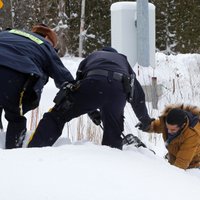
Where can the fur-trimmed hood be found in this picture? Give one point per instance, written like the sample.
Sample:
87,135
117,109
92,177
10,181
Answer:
183,150
188,108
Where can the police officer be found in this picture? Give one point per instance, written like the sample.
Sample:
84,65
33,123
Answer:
105,82
27,60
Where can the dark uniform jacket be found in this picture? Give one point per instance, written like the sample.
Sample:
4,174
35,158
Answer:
116,62
184,149
31,54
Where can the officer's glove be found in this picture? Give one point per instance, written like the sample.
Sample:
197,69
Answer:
64,91
145,125
95,116
63,99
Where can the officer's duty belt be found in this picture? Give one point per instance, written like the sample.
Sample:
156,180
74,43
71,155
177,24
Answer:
115,75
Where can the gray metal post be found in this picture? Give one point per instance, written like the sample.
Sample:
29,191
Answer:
143,47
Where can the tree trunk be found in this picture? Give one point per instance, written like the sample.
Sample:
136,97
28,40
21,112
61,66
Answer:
81,35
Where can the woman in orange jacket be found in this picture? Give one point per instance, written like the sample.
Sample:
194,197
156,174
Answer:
180,128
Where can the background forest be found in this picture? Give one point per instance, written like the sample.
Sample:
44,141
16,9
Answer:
177,23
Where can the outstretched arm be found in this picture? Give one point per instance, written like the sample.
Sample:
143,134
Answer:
138,103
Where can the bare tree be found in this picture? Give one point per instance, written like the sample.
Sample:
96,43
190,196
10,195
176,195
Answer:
82,26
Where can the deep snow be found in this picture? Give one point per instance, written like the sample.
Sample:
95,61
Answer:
83,170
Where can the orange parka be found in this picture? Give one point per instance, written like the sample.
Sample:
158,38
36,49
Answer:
183,150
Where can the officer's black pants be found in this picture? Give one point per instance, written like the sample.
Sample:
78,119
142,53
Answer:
11,84
94,92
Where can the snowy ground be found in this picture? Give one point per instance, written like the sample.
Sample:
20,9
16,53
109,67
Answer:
82,170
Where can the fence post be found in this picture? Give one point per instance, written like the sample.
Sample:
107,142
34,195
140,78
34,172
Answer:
154,93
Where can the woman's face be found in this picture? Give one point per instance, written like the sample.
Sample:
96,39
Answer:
172,129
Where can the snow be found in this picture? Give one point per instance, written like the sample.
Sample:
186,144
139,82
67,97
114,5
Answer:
84,169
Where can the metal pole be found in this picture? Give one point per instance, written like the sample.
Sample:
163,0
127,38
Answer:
143,47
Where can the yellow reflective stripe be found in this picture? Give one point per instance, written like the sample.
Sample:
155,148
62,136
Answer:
32,135
27,35
20,102
50,109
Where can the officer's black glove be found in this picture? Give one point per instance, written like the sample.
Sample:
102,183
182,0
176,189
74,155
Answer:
95,116
145,125
64,91
63,99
